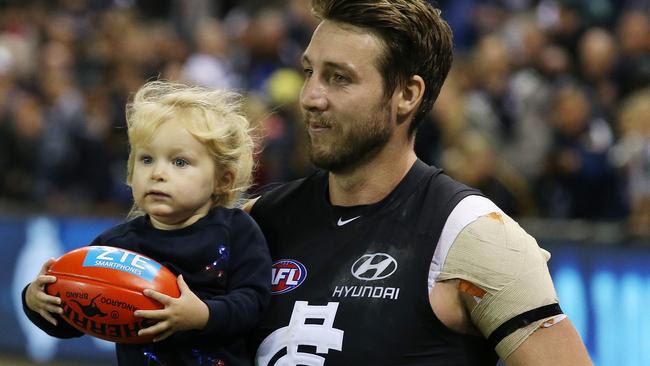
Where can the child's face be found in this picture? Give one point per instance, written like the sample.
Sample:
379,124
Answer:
173,177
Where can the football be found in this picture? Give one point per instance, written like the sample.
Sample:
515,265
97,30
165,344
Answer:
101,286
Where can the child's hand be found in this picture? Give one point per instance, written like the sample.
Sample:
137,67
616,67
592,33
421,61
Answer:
38,300
184,313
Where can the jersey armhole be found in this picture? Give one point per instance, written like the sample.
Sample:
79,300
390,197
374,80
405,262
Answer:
466,211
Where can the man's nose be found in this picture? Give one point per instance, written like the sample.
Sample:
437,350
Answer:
313,96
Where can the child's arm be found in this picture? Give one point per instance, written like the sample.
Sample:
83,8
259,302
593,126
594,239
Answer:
233,314
44,310
249,283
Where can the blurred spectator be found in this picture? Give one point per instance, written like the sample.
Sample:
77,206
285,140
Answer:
597,58
7,84
444,127
209,65
488,104
506,101
632,153
634,64
473,162
579,181
283,138
264,40
102,156
546,96
21,151
555,62
63,119
529,91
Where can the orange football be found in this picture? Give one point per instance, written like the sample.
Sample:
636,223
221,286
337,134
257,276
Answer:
100,287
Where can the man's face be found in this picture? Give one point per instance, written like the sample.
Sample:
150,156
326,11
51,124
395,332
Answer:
345,112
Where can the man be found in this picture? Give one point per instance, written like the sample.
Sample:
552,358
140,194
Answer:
380,259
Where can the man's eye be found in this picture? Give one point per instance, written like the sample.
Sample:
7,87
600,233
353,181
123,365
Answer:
308,71
180,162
338,78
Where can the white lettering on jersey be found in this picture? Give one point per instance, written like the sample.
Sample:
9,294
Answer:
323,336
290,274
377,292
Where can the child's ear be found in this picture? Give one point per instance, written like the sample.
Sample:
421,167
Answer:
223,182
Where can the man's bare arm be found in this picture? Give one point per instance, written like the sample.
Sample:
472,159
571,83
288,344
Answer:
504,278
558,345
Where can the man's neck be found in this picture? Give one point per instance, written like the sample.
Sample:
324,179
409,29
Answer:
372,181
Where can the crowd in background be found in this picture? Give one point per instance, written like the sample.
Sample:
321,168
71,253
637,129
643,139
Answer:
546,109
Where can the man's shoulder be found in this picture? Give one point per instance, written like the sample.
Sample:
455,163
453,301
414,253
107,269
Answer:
287,193
467,210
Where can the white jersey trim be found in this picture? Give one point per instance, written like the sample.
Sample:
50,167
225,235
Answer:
466,211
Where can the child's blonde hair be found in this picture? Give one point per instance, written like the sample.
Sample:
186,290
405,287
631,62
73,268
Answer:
212,116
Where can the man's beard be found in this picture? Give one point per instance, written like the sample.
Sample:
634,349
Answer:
359,145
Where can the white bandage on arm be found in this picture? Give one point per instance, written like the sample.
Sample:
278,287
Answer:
495,254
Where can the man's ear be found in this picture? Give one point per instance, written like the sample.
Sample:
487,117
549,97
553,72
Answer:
410,95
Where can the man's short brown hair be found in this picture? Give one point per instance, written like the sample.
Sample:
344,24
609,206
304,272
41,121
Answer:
417,41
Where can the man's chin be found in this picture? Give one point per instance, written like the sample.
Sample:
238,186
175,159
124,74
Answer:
330,164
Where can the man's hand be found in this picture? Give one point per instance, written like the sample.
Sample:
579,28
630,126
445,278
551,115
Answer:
183,313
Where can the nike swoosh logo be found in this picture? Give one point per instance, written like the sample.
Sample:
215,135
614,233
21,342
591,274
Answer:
342,222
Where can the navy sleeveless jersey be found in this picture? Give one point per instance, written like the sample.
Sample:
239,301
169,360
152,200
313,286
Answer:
350,283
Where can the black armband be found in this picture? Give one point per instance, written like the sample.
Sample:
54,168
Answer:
521,321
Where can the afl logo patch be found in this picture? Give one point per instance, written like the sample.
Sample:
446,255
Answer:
286,275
